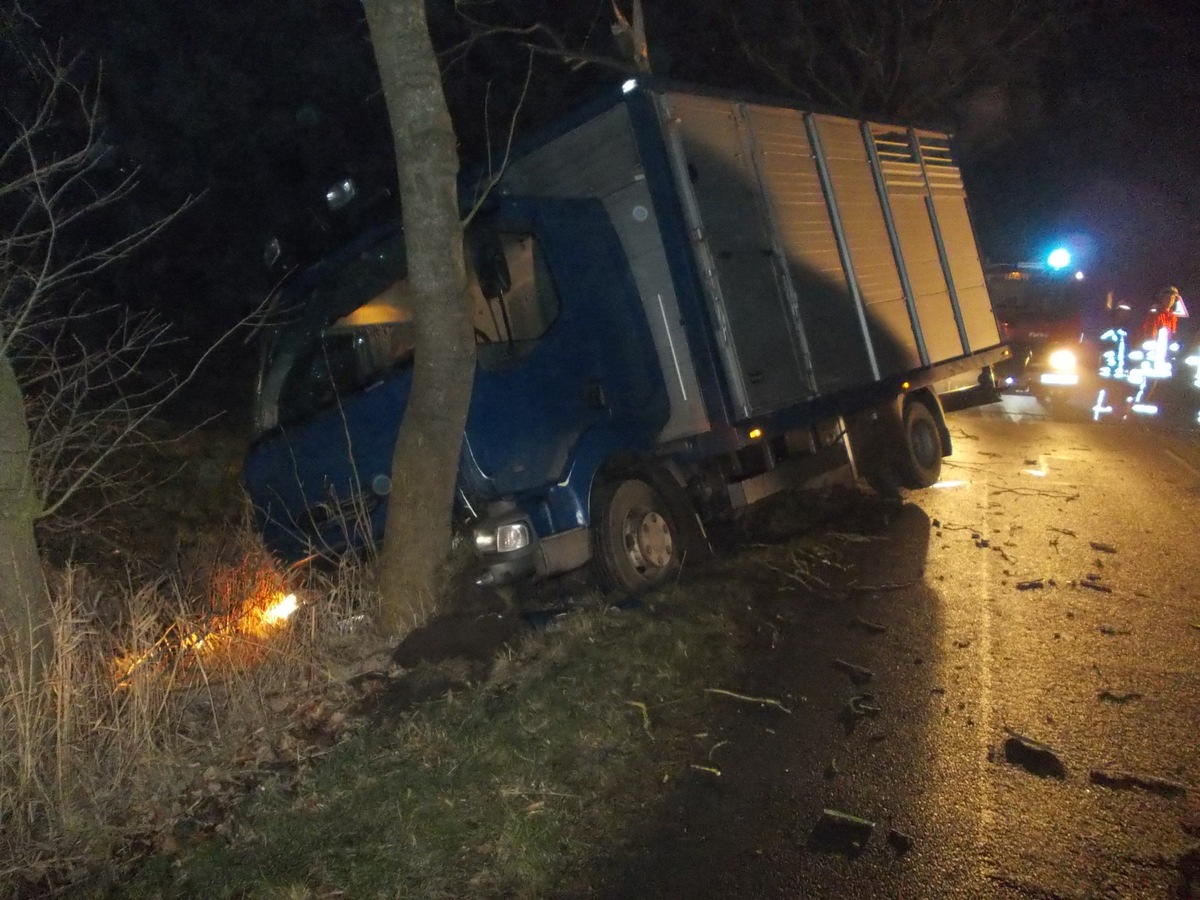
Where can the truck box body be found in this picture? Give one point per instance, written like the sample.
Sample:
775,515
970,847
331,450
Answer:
715,286
818,254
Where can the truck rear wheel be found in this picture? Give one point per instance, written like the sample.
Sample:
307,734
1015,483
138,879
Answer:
638,541
918,459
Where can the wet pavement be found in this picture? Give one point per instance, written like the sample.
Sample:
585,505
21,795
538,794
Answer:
1003,700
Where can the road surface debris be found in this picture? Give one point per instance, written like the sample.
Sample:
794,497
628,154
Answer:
1131,780
858,707
1033,756
746,698
871,626
1095,586
1101,547
859,675
1111,697
1033,584
645,711
841,832
900,841
863,705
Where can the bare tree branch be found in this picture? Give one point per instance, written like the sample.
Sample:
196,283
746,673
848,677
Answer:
81,366
495,173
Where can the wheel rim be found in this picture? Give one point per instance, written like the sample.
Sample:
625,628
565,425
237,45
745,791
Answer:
648,540
925,445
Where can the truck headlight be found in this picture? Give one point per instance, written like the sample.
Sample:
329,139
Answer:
503,538
513,536
1063,360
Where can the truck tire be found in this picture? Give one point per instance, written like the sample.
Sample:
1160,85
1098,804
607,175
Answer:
638,542
882,480
918,460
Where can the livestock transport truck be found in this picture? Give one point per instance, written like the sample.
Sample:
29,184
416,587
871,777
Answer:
683,303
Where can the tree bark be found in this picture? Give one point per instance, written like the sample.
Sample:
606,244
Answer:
425,462
25,608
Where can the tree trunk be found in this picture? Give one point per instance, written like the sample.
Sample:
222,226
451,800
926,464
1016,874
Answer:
425,463
24,603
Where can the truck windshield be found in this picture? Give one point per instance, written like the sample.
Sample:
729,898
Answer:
337,337
348,329
1024,296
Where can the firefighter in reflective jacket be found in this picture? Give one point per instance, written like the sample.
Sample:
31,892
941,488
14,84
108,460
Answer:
1166,312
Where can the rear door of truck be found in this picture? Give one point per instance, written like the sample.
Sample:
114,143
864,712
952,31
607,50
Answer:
833,253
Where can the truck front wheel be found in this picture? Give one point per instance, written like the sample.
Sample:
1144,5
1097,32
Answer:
918,460
638,543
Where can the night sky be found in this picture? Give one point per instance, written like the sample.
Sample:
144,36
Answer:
1084,130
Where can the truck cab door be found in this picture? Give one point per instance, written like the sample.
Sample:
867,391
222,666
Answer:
564,350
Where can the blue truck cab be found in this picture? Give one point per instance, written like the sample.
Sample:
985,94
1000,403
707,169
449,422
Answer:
683,303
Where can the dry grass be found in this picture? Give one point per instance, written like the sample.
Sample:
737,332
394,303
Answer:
159,699
509,787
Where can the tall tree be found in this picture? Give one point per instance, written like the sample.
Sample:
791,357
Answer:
72,390
24,602
425,463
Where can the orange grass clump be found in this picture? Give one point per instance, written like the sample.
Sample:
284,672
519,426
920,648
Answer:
249,602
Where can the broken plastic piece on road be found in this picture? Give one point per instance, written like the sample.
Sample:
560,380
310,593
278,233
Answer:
1095,586
900,841
1032,585
840,818
1033,756
841,832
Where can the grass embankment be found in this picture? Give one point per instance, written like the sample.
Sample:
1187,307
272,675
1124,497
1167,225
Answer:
507,788
187,747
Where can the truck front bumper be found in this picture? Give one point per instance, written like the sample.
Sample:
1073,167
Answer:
509,550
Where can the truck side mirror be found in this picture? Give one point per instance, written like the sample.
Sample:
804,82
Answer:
486,253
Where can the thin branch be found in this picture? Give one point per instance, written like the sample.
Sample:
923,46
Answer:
496,174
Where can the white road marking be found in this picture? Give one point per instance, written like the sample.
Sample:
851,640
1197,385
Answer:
1183,462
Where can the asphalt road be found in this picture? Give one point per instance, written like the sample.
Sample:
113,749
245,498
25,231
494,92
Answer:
1046,592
